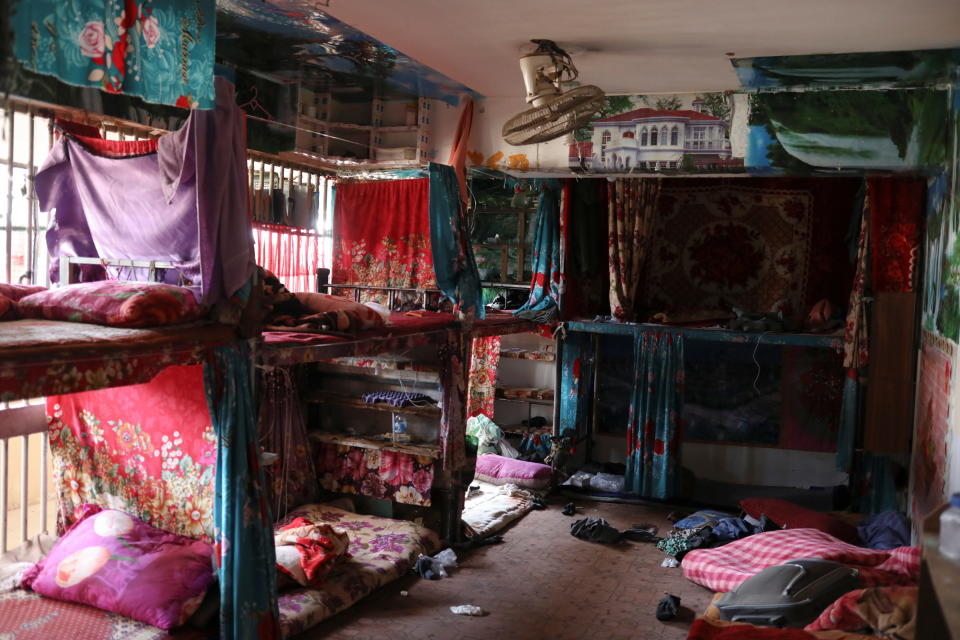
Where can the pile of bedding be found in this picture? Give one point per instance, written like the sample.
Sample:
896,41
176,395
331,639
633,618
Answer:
880,598
316,312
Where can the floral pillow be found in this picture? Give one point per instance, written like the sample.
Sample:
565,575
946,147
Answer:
116,562
114,303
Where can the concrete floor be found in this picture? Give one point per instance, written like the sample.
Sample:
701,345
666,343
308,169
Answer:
541,582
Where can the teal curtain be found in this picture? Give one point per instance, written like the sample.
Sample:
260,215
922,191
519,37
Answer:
244,534
654,422
162,52
877,484
453,261
542,305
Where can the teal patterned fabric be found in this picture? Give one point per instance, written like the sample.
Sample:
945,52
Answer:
654,426
244,532
160,51
541,306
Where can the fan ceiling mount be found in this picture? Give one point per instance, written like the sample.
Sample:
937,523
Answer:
554,112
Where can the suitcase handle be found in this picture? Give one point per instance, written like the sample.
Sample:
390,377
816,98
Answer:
768,621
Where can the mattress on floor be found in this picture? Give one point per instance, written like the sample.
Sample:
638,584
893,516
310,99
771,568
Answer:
26,615
381,550
494,506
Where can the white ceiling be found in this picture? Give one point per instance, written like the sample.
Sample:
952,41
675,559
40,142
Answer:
642,46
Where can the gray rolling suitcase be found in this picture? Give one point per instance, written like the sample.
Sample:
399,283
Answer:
792,594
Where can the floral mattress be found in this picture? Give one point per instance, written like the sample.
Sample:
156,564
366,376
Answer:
381,550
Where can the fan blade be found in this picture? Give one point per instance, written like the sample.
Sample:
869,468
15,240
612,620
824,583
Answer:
559,115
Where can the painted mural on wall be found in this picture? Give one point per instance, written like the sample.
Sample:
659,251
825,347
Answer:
679,133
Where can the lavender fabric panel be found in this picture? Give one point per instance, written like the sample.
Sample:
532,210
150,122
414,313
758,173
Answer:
210,151
187,204
116,207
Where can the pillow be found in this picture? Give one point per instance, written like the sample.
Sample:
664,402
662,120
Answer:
8,308
17,291
114,561
114,303
500,470
792,516
350,315
307,551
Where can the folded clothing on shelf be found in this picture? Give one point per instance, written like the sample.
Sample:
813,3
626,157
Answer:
397,398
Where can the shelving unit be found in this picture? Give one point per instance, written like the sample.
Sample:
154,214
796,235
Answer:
527,363
366,127
423,450
326,397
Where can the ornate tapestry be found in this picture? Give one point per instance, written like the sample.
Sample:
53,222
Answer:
162,52
149,450
382,235
731,246
482,382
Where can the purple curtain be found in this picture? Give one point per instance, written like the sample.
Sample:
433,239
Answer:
186,203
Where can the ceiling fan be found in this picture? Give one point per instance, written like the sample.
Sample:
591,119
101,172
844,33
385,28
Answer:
554,112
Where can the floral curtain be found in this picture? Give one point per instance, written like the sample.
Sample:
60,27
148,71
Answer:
897,216
654,427
543,304
161,52
453,261
244,533
631,205
292,477
482,382
400,477
148,449
382,234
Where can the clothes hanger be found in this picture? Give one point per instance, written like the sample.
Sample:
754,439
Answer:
254,104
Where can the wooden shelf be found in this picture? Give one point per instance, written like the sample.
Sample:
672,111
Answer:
524,354
326,397
398,128
540,401
349,125
384,444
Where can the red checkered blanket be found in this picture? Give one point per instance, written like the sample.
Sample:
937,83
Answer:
724,568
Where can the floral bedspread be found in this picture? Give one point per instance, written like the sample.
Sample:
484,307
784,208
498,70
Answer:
381,550
26,615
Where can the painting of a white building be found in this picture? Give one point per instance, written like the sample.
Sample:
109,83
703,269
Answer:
654,140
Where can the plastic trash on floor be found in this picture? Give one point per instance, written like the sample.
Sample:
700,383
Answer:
467,610
607,482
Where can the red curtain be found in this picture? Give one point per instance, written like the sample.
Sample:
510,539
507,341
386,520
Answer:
291,253
896,206
381,234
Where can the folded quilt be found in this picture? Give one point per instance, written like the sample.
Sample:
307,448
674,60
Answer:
724,568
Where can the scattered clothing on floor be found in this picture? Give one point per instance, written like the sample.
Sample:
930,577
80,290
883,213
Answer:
670,563
538,503
668,607
887,530
570,509
595,530
397,398
730,529
641,533
701,518
477,541
435,567
679,541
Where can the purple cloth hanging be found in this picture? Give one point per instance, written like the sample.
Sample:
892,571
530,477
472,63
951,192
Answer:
186,203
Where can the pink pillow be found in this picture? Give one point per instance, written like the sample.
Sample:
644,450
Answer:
792,516
501,470
17,291
114,561
359,316
114,303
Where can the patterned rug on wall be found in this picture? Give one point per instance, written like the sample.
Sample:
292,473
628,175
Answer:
722,246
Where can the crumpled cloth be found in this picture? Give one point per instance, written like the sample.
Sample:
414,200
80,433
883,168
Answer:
308,551
397,398
595,530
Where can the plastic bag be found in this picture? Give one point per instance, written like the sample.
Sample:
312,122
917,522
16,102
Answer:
581,480
607,482
507,450
467,610
447,559
487,433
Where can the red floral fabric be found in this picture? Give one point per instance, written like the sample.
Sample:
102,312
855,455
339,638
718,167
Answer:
632,206
482,382
149,450
393,476
896,207
855,343
113,303
382,235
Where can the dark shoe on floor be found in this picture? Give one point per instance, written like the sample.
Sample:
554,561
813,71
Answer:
570,509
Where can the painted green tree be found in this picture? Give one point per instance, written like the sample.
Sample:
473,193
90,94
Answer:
717,105
668,103
611,107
